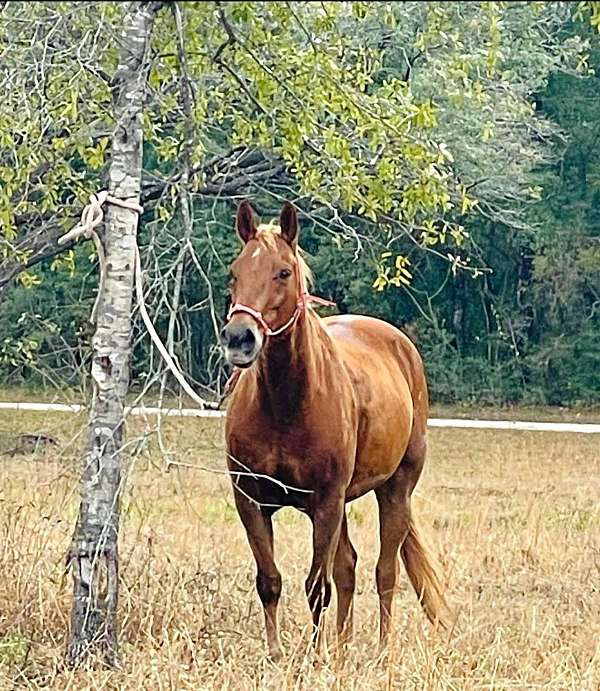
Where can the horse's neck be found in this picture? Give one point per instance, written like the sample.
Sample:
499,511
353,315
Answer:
290,368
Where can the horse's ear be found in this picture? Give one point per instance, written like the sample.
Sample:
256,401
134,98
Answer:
288,222
245,222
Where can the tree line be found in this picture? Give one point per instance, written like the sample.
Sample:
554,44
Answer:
444,156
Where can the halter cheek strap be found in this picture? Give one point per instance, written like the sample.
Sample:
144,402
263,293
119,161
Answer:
303,301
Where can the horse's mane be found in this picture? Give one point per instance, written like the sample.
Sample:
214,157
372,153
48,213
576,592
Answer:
267,233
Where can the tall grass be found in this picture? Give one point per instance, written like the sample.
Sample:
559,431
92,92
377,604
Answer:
514,517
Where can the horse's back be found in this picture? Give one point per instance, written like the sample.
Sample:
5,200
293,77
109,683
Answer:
388,374
359,336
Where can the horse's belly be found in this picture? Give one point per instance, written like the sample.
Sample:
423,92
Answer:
374,466
362,484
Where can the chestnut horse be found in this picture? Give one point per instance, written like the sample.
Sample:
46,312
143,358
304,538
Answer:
324,411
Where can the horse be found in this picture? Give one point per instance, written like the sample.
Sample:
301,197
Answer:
324,410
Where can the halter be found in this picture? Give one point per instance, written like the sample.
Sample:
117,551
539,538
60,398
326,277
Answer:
301,303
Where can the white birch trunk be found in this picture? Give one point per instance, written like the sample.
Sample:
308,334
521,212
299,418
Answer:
94,551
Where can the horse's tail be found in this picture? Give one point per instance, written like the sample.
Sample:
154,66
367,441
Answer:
424,578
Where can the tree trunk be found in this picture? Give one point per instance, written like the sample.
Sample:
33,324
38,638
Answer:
94,555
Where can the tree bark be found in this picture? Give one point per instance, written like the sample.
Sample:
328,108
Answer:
94,551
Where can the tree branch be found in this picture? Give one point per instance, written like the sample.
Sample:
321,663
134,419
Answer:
228,175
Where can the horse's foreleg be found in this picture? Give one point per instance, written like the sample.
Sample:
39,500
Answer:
259,531
327,522
344,568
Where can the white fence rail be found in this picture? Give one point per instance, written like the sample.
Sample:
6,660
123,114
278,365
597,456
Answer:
571,427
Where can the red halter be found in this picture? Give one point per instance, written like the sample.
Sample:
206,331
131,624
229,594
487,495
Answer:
303,300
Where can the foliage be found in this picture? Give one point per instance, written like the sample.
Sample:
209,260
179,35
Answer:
444,156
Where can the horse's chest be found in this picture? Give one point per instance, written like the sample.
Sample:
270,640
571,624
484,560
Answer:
266,455
296,456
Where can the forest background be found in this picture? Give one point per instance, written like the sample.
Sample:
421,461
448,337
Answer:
445,157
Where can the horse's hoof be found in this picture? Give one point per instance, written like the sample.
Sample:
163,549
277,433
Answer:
275,656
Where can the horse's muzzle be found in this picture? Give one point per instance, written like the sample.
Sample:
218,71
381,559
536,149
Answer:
241,340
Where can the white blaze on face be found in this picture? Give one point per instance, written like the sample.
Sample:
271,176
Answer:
256,252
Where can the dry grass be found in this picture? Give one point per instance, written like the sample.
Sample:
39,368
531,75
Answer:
515,517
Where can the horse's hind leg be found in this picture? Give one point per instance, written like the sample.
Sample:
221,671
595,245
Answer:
394,514
397,529
344,577
259,531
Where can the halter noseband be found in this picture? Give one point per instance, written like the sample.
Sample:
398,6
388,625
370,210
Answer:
303,300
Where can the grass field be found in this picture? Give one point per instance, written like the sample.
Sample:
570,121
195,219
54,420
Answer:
514,517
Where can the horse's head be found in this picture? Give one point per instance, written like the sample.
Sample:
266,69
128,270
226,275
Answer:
267,284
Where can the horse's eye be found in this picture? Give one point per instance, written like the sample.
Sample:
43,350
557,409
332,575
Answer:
232,280
284,273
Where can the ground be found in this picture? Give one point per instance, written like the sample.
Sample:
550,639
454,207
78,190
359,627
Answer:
513,516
